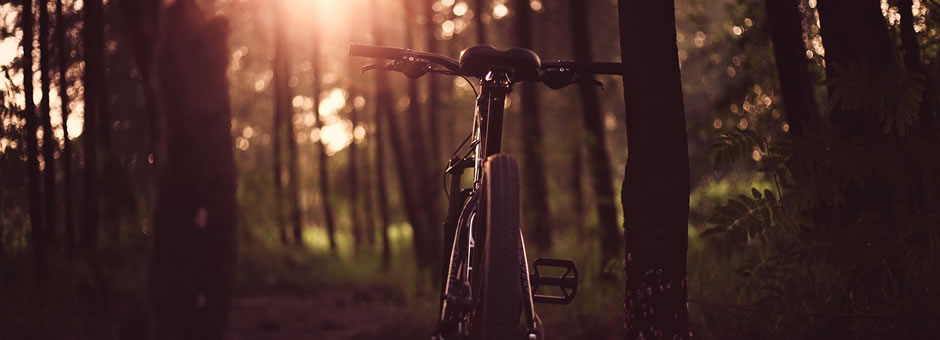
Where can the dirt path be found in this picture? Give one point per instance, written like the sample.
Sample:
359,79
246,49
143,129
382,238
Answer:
344,313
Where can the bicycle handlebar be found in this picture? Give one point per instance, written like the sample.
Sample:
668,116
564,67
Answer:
395,53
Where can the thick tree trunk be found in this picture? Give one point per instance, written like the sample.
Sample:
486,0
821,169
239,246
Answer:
854,33
194,250
909,37
425,228
595,141
911,49
656,184
536,213
324,166
49,145
94,71
284,110
383,107
64,51
32,148
786,34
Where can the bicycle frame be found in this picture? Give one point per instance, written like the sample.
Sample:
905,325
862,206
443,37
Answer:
462,224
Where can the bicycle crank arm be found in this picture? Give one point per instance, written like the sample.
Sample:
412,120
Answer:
567,282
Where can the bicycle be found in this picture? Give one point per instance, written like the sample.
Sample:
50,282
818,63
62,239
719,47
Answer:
487,287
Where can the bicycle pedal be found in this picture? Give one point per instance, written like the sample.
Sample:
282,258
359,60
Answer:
567,282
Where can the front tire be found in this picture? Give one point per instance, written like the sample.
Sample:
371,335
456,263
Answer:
502,296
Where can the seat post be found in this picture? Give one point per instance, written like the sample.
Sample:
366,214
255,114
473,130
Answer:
496,85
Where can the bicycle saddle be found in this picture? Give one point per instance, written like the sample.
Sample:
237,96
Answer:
522,64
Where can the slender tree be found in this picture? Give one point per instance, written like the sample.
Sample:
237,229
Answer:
32,148
655,191
49,145
277,128
480,8
193,262
786,34
360,236
94,70
64,49
595,142
383,107
284,109
324,158
424,230
535,186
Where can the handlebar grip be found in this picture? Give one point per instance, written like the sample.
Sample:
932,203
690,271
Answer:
381,52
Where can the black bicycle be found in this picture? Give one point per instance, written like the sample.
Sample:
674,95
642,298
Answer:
487,288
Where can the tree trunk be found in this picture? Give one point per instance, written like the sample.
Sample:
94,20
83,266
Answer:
383,107
854,33
911,50
796,85
94,70
49,144
64,51
480,8
284,110
32,148
324,166
656,183
360,237
194,250
424,229
276,131
433,161
595,141
536,214
909,37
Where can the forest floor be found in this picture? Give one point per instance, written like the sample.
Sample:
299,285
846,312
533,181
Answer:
378,312
297,295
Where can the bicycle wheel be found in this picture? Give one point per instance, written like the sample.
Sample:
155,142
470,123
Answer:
501,296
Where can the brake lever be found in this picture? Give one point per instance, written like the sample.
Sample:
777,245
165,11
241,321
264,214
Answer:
380,67
559,78
595,82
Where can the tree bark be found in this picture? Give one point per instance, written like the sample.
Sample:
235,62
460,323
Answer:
194,250
32,148
276,131
383,107
359,235
854,33
64,52
324,166
49,144
479,8
656,183
284,110
796,84
909,37
595,141
536,214
425,232
94,70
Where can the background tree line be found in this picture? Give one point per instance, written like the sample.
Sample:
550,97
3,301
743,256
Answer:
161,133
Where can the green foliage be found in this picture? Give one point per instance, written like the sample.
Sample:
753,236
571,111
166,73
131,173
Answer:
894,94
735,145
851,228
